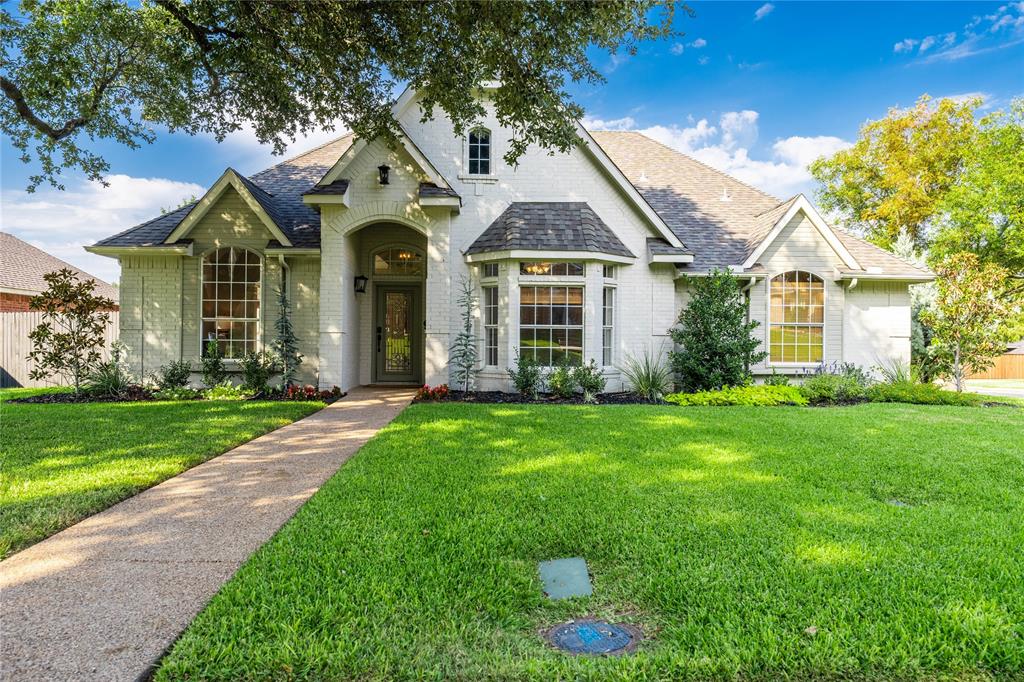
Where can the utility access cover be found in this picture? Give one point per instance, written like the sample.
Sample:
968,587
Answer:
564,578
593,637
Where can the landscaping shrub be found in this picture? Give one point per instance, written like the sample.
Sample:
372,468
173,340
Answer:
228,391
178,393
526,377
286,346
111,379
425,392
647,376
836,384
256,370
590,380
761,396
715,345
776,379
562,380
173,375
919,394
214,373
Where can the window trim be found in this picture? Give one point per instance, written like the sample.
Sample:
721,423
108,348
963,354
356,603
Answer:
549,284
550,278
261,298
768,320
487,326
608,325
490,174
396,278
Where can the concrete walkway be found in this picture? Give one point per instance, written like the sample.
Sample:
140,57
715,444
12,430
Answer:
104,599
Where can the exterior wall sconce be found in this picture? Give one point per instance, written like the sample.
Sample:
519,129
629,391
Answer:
383,170
361,281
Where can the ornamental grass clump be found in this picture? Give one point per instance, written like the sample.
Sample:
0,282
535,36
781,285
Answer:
647,376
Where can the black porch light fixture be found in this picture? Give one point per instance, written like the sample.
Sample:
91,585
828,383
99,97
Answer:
361,281
383,170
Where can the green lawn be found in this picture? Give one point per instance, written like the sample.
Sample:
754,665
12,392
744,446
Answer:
61,463
724,533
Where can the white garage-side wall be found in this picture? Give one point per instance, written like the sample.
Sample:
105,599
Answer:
876,323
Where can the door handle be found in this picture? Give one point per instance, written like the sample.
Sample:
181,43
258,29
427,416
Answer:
379,334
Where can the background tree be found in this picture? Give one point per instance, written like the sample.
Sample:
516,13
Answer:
464,352
69,341
75,73
286,345
968,310
714,342
896,176
931,359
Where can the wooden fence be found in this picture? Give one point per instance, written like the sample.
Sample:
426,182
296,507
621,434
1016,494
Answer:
1006,367
14,363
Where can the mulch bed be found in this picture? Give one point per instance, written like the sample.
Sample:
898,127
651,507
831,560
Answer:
500,397
139,394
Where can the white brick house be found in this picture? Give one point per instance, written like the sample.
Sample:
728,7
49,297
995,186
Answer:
581,255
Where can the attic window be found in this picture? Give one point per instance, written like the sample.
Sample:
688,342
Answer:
480,152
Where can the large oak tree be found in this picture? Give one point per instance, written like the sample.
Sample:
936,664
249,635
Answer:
75,72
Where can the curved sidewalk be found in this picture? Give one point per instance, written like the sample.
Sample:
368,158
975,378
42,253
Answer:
105,598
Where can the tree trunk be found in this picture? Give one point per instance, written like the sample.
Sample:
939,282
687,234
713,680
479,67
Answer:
958,370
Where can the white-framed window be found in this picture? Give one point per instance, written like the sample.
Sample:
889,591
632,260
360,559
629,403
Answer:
490,311
489,270
551,324
479,151
608,271
796,318
231,279
398,261
607,325
555,269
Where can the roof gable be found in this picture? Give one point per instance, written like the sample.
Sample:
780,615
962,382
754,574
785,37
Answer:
789,210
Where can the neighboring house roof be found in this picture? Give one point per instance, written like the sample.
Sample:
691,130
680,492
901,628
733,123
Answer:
549,226
1016,348
719,218
278,190
24,266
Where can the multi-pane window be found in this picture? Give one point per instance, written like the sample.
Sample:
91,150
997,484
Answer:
479,152
490,310
398,261
563,269
231,300
551,324
797,318
607,325
489,270
608,271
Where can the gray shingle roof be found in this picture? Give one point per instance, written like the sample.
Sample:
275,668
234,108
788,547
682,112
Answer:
22,267
719,218
549,226
660,247
429,189
337,187
278,190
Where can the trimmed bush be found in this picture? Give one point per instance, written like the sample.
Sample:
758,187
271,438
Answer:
527,377
227,391
760,396
836,384
173,375
562,381
921,394
590,380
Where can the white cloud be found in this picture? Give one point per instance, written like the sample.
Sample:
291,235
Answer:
1001,29
61,223
698,43
927,43
253,157
677,48
905,45
704,60
739,128
684,138
801,151
624,123
987,100
763,11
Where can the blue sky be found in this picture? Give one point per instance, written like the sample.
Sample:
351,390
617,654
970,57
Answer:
756,89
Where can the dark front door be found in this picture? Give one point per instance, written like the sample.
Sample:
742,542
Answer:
397,349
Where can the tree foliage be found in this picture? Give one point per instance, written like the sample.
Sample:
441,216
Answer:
76,72
968,310
714,342
69,341
895,178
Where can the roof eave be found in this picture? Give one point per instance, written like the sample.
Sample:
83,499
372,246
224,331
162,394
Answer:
183,249
537,254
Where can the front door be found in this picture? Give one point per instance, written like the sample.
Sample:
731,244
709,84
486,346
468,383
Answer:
397,335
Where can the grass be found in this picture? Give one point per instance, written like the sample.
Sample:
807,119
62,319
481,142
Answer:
62,462
724,533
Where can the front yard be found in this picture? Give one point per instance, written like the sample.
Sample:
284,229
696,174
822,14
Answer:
63,462
876,541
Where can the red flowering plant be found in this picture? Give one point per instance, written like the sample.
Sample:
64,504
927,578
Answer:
436,393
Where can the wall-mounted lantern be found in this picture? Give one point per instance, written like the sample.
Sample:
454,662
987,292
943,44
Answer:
361,281
384,170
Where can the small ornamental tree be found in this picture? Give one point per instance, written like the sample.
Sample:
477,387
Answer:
968,311
286,346
69,341
464,353
714,345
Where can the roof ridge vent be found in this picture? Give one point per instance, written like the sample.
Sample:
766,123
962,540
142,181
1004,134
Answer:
725,194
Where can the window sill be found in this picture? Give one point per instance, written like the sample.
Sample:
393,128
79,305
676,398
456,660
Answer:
484,179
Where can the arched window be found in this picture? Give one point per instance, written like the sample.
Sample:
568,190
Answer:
231,300
797,320
480,152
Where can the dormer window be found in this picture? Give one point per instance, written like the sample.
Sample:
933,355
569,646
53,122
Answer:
480,152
